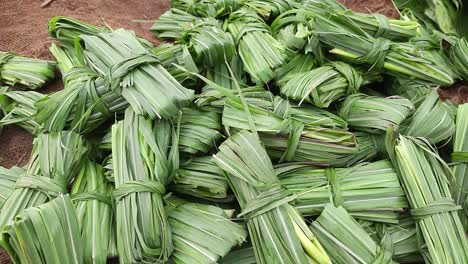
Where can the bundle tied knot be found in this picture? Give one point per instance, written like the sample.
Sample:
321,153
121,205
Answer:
139,186
443,205
48,186
273,196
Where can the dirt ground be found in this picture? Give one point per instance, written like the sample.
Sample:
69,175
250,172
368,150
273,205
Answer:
23,29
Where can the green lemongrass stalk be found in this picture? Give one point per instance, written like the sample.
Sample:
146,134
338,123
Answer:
207,8
460,168
351,42
376,25
200,177
401,239
48,233
199,130
91,196
20,109
432,120
8,178
414,91
374,114
85,103
66,29
177,54
240,256
277,231
261,54
425,178
55,158
345,240
323,85
16,70
144,160
201,233
130,69
367,191
459,56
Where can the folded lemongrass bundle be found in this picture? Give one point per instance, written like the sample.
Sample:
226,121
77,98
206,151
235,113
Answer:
200,177
432,120
401,239
85,103
261,54
459,56
66,29
16,70
277,231
199,130
367,191
293,30
19,109
376,25
412,90
54,161
201,233
351,42
128,67
425,178
207,8
374,114
48,233
460,166
171,24
91,197
269,9
370,147
345,240
8,178
240,256
299,63
170,55
144,160
323,85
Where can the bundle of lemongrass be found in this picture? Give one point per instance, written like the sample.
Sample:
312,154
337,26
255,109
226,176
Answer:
367,191
19,107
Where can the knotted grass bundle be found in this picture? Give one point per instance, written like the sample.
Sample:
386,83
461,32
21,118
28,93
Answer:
199,130
401,239
91,197
376,25
48,233
269,9
287,135
200,177
8,178
460,168
323,85
55,158
277,231
144,160
432,120
19,107
374,114
85,102
201,233
345,240
459,56
170,55
261,54
207,8
129,68
412,90
25,72
298,64
367,191
371,146
66,29
351,42
425,178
